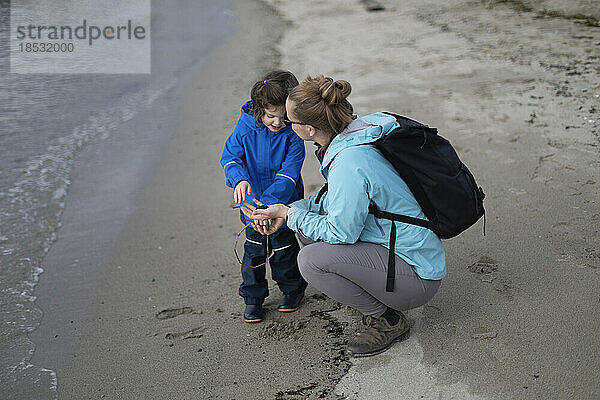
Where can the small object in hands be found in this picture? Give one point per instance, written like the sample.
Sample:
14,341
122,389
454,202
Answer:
262,207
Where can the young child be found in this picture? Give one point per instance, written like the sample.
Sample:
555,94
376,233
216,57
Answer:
262,159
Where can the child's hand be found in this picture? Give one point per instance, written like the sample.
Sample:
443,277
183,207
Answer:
240,191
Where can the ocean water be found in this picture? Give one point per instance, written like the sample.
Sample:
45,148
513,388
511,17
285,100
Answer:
46,121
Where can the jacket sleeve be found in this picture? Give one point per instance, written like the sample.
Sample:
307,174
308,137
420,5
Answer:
309,204
232,159
283,189
347,207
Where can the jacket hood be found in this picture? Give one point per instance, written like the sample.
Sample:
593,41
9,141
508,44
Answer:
247,118
361,131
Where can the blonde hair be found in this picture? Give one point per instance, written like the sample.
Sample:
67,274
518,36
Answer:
321,102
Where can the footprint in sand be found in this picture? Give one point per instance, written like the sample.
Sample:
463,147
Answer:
191,334
174,312
485,265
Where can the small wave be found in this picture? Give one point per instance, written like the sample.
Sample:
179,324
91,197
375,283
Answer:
32,381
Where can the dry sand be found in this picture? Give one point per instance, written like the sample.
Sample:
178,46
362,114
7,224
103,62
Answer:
517,316
515,86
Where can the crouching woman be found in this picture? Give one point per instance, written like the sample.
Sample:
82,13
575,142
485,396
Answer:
347,257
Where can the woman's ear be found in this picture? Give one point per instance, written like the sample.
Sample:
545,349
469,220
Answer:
311,130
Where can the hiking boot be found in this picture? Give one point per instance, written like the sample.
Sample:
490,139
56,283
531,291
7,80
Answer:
291,302
253,313
378,336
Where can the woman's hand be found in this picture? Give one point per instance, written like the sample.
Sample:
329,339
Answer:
260,214
240,191
265,220
271,227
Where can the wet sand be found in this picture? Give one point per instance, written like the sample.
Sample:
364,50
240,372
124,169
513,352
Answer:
515,90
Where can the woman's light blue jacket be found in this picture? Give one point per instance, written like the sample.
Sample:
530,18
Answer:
357,174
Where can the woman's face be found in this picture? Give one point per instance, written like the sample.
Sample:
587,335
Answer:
273,118
300,129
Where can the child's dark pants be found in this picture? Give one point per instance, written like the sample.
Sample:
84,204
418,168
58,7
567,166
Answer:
284,265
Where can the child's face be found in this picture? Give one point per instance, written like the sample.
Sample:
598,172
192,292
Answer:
273,118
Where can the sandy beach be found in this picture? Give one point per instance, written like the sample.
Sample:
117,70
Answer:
515,86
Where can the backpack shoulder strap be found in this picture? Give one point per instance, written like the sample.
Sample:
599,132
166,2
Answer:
391,267
321,193
398,217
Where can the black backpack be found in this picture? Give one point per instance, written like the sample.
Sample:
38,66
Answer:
442,185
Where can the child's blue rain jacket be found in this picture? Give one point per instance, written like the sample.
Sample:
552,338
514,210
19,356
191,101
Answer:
270,161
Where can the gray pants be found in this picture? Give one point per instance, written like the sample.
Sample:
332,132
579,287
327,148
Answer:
355,275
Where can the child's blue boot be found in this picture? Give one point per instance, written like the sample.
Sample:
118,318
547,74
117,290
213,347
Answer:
291,302
253,313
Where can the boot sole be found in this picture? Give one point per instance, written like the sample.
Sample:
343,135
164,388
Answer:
400,338
291,309
252,321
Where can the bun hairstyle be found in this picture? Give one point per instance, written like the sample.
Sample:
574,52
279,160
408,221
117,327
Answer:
271,91
321,102
334,92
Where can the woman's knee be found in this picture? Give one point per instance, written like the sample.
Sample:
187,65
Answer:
308,261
